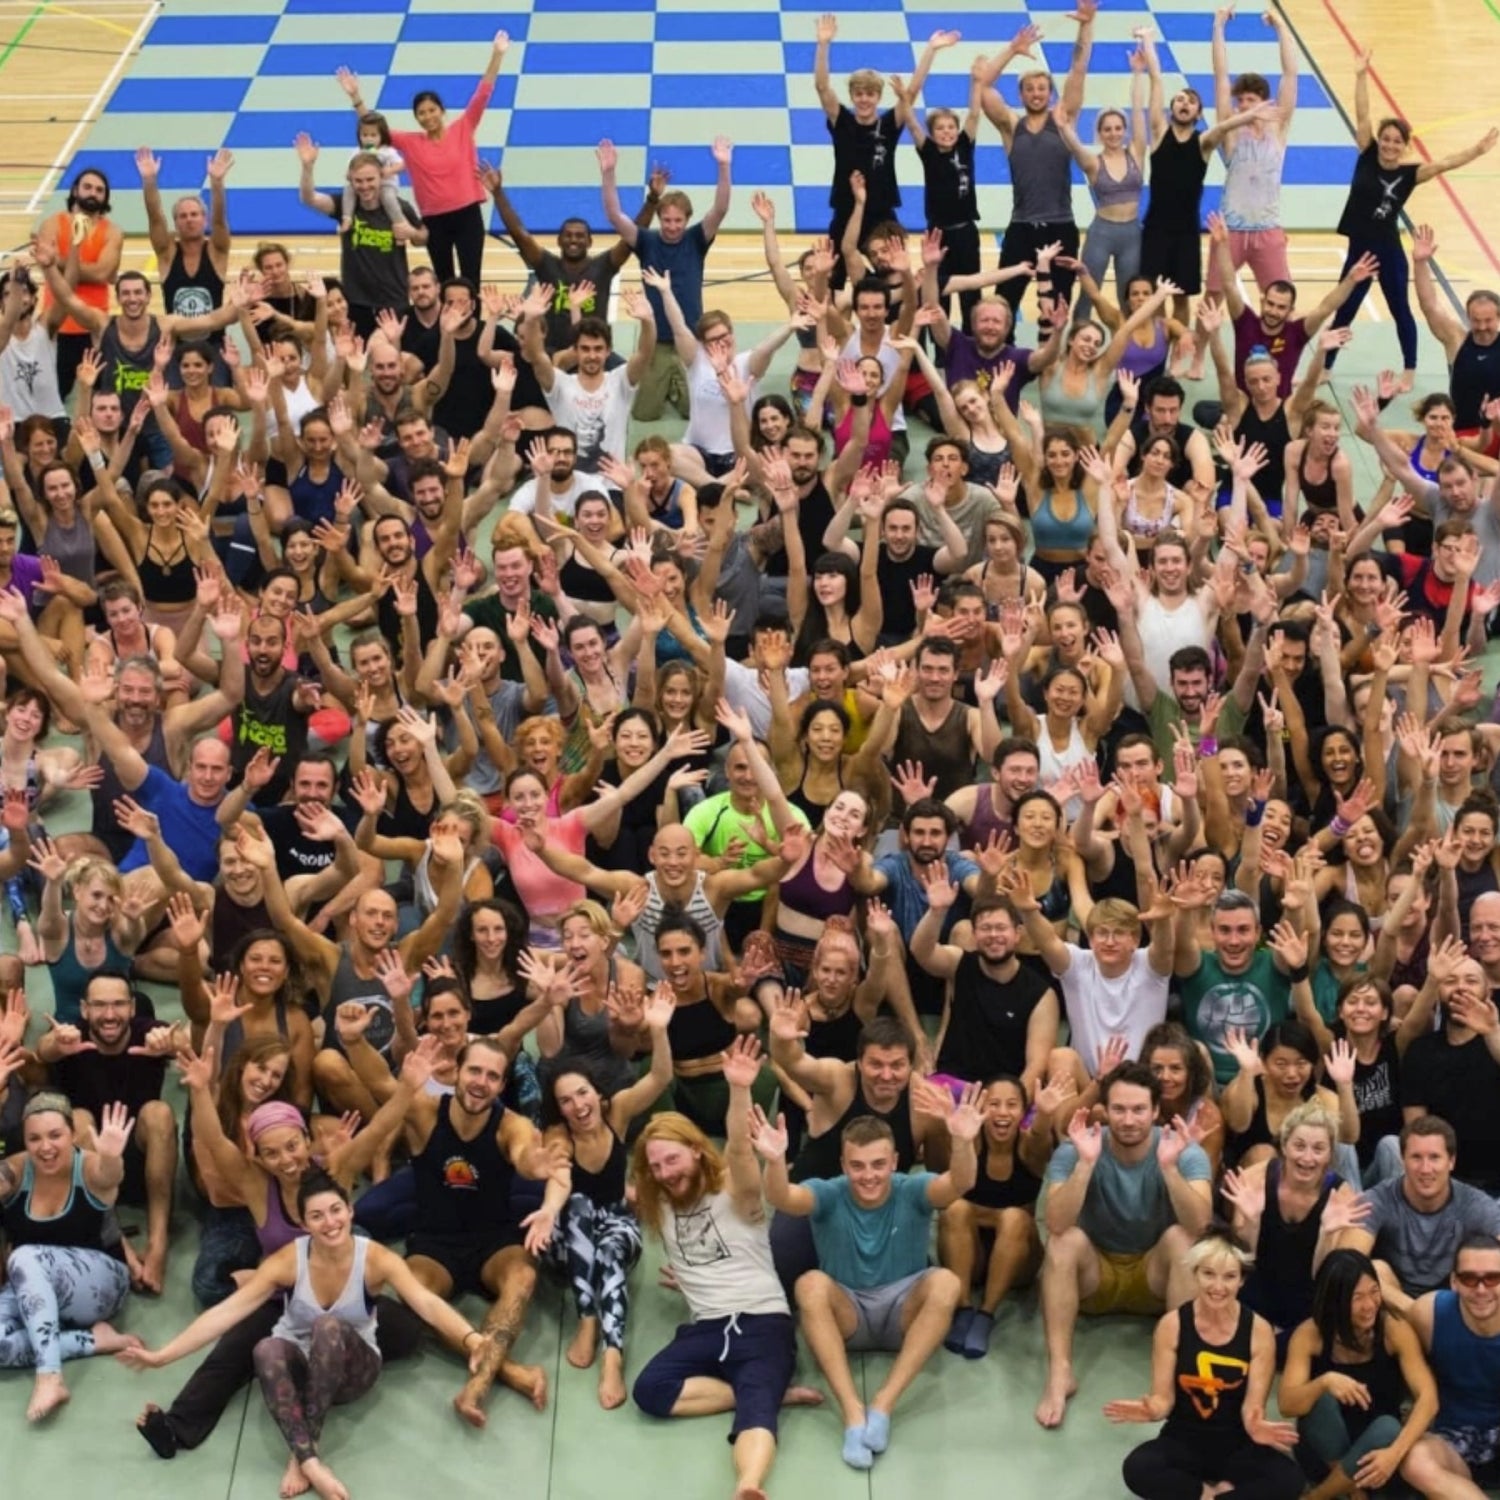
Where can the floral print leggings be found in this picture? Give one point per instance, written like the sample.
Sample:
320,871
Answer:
299,1388
52,1300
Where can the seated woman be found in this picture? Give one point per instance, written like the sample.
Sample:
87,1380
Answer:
1277,1074
1226,1443
322,1350
127,633
1350,1372
1287,1211
64,1279
487,945
597,1240
1186,1076
841,385
462,817
991,1231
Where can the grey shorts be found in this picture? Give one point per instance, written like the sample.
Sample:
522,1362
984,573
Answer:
878,1310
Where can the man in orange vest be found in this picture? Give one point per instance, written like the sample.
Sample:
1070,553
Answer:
87,245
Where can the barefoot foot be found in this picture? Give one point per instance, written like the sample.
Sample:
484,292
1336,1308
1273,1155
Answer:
47,1395
293,1481
1054,1403
612,1380
469,1404
109,1340
585,1344
154,1270
324,1480
802,1395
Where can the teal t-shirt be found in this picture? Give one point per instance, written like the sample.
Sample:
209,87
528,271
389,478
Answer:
1127,1208
1214,1002
1325,989
870,1247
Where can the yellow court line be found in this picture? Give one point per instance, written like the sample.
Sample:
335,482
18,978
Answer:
1471,114
84,15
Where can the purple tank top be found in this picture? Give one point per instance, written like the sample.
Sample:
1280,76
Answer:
1139,359
278,1231
986,821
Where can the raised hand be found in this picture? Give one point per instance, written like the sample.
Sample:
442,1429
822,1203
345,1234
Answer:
741,1062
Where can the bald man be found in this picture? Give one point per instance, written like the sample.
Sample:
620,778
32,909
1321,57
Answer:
1455,1073
676,881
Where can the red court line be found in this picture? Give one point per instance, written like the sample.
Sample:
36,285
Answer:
1422,151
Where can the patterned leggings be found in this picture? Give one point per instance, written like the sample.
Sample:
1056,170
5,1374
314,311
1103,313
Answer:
597,1247
52,1300
299,1388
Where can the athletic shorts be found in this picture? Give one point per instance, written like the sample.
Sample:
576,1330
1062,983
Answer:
878,1310
717,464
1177,255
1477,1446
753,1353
464,1257
1123,1288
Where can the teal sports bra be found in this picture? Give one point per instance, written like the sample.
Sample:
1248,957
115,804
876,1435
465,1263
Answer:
1051,535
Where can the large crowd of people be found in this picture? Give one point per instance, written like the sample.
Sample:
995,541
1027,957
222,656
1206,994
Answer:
1065,854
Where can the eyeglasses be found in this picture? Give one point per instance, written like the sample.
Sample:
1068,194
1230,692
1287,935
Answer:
1469,1280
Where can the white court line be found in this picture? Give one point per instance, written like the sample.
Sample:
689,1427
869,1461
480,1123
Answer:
66,154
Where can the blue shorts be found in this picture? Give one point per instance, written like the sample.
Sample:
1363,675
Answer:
754,1353
717,464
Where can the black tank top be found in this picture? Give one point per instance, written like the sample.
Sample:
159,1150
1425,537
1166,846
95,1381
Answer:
389,621
1209,1384
1178,169
1020,1190
463,1187
127,371
1275,432
697,1030
946,752
819,1156
1377,1097
1281,1283
193,294
80,1225
1475,376
987,1023
1181,472
1380,1374
111,788
837,1037
606,1187
1317,494
229,925
489,1016
583,583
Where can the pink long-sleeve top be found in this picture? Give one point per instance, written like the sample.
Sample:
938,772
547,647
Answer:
442,171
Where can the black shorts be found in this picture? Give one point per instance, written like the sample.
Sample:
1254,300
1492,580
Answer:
1175,254
464,1257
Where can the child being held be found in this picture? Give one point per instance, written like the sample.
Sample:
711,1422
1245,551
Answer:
375,140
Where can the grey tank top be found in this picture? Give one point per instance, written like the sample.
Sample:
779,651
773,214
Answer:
73,547
347,985
1041,175
351,1306
698,907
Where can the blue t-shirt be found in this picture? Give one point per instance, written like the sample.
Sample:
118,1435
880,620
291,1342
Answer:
905,894
684,263
1126,1208
189,830
870,1247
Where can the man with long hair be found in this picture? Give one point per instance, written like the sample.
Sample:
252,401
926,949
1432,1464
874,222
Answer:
738,1351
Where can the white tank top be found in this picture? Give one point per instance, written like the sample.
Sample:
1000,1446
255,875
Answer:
1163,633
722,1262
351,1306
1054,762
1252,181
28,375
299,402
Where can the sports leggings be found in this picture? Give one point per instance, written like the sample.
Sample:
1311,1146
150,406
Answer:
460,232
1108,240
597,1245
299,1388
1326,1430
1168,1468
1393,287
51,1302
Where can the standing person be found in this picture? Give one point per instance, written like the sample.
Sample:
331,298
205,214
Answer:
322,1352
739,1349
193,265
63,1278
372,257
1212,1364
678,251
86,243
572,265
1254,155
1460,1331
875,1289
442,161
1040,163
1124,1202
1371,220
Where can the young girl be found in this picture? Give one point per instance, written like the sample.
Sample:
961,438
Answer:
375,140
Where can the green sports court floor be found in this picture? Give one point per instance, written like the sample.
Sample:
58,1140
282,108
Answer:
964,1429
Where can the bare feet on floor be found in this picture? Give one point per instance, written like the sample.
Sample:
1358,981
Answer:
802,1395
294,1481
47,1395
585,1344
612,1380
1060,1386
109,1340
324,1480
469,1404
153,1270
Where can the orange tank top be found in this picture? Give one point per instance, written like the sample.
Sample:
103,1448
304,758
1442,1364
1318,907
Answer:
93,293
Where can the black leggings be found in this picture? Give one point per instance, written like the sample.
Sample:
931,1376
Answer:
1168,1468
1022,242
230,1365
461,231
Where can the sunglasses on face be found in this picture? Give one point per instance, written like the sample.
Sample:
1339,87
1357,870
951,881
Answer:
1469,1280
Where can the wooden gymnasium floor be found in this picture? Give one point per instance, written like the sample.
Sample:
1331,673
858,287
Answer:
58,65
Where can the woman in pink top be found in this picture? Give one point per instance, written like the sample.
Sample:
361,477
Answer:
545,895
442,161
